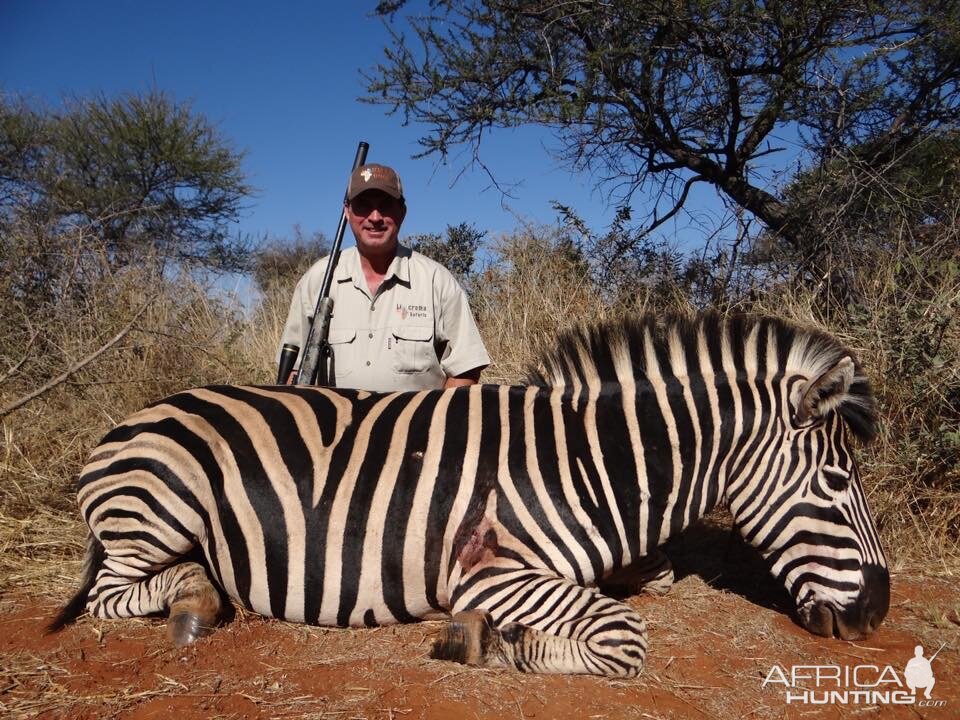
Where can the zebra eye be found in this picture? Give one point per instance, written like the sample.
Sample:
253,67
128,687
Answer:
837,480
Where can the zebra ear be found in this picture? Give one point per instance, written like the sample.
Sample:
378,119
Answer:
827,392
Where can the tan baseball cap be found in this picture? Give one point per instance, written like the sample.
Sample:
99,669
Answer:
374,177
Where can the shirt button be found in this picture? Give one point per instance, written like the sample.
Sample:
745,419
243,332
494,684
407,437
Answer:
370,335
368,362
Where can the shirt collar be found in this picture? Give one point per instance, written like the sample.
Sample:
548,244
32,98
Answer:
400,267
348,267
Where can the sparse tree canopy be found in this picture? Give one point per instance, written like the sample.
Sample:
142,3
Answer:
140,172
279,263
456,251
664,94
869,192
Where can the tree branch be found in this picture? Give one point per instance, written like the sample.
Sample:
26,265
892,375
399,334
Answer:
26,354
17,404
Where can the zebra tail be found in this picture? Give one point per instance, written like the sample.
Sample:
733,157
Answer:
78,603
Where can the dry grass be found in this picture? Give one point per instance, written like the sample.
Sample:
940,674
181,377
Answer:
34,685
40,553
184,336
523,298
534,289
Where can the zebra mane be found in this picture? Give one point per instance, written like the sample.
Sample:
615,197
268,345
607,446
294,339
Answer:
605,353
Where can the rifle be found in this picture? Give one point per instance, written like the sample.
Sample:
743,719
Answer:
934,656
317,355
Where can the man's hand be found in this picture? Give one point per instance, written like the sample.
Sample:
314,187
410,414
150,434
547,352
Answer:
471,377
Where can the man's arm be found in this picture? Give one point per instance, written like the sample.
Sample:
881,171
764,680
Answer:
457,328
471,377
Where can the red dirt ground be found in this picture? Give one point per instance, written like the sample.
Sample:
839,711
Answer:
713,641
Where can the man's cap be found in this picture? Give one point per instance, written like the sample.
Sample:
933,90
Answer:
374,177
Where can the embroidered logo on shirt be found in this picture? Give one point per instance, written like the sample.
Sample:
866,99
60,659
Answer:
414,311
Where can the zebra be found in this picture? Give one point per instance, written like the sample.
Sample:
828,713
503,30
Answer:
497,507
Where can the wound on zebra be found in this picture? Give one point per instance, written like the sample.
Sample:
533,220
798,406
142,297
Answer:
481,544
508,509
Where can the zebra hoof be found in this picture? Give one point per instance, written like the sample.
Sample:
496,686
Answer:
466,639
186,628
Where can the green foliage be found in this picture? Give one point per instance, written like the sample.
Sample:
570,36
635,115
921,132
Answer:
870,204
23,134
276,266
871,189
142,173
456,251
624,263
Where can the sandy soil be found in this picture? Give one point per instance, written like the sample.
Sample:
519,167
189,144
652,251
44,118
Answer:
714,639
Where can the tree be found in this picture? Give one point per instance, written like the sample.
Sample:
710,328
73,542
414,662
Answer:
873,210
141,173
456,251
865,191
22,137
278,264
664,94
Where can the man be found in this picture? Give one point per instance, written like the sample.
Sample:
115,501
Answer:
400,320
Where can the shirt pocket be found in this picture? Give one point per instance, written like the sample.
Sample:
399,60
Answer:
344,349
413,349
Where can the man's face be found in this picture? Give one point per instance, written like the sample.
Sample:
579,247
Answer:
375,218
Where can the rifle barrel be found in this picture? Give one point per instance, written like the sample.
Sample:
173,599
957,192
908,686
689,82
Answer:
313,366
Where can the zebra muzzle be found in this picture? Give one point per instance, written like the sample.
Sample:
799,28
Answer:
857,620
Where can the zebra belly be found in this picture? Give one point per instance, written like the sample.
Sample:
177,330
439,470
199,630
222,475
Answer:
368,610
345,594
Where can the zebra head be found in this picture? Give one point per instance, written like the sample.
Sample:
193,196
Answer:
803,506
756,411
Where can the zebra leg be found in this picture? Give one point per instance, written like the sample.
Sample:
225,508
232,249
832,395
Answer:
195,608
651,574
469,638
184,589
537,622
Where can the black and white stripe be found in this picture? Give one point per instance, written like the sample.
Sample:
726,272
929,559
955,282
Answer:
342,507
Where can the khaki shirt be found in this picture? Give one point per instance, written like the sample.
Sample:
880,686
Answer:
411,335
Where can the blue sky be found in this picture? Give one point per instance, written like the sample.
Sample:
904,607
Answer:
281,80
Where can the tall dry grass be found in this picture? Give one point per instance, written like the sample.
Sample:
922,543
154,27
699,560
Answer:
535,285
63,301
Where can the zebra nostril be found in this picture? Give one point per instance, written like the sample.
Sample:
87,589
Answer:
819,619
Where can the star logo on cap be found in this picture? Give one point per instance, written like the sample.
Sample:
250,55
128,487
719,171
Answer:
366,174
